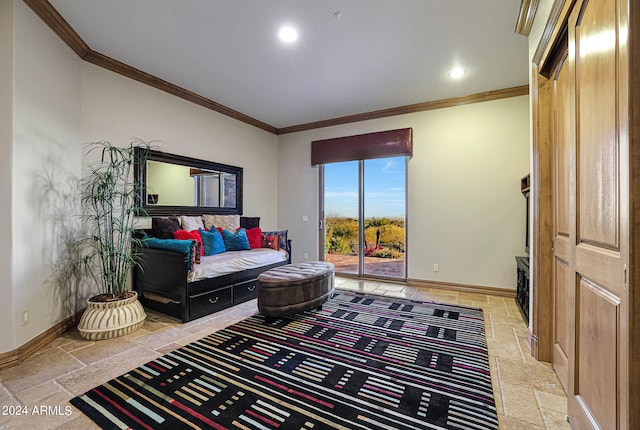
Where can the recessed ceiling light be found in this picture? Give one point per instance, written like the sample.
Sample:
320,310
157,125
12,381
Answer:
456,73
288,34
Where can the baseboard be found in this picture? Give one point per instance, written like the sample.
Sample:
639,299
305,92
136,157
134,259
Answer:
532,339
17,356
479,289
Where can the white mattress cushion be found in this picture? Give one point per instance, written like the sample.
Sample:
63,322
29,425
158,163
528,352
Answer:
234,261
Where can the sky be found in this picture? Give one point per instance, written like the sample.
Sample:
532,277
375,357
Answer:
384,183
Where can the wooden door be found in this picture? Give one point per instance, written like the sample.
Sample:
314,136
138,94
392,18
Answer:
597,372
597,262
563,149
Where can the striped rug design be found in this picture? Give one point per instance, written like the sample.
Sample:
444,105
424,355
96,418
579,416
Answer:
362,362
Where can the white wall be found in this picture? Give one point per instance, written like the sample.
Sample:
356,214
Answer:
465,209
53,102
116,109
45,143
7,336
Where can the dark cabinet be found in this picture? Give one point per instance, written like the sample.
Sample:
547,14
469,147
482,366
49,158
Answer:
522,291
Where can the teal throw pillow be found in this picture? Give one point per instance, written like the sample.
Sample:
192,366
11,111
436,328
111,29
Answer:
184,246
237,241
213,242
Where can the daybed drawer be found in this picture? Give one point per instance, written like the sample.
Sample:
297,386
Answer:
245,290
205,303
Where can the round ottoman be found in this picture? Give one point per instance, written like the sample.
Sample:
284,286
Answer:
294,288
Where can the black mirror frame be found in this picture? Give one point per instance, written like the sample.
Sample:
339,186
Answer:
140,174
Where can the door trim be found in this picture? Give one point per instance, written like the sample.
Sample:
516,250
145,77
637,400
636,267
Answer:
361,212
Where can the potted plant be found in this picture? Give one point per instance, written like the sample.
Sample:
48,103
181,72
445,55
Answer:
110,201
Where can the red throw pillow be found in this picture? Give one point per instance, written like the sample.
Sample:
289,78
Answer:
190,235
272,242
255,237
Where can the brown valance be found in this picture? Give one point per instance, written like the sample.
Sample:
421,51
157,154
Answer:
391,143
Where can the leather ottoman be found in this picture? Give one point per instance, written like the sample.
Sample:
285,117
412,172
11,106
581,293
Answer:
294,288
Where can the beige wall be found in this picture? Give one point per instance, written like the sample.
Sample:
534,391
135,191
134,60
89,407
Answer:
45,148
465,209
55,103
116,109
7,322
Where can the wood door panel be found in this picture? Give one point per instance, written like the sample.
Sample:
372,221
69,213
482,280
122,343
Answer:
563,142
597,348
595,371
598,152
562,247
562,327
601,265
563,153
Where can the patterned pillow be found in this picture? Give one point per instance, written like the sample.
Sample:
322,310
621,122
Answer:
197,251
190,223
284,243
271,241
227,222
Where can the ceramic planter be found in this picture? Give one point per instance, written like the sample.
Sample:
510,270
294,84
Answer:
106,320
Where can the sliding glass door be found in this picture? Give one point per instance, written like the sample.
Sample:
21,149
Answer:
341,215
384,217
364,216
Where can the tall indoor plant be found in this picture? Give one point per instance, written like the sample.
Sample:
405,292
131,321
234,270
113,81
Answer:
109,202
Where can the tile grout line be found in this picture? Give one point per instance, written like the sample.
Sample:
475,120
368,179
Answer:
10,394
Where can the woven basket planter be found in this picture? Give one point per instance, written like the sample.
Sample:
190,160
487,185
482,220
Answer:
106,320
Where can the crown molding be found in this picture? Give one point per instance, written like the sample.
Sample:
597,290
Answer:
526,16
418,107
123,69
61,27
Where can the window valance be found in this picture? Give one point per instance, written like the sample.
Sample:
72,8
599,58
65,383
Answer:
391,143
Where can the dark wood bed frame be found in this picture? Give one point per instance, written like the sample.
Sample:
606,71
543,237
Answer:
164,273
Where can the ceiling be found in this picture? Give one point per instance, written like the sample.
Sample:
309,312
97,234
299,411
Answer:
378,54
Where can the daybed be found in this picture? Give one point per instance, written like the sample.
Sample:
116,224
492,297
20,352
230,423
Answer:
171,282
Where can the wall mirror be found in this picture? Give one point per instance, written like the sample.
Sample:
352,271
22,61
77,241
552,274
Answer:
171,184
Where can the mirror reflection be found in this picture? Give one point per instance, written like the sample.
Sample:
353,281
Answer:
172,184
175,185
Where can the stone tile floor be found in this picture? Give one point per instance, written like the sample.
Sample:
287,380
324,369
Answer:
373,266
528,394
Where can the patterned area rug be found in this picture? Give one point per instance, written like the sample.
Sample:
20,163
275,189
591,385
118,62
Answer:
364,361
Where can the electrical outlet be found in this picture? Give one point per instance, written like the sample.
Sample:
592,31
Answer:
435,267
305,255
25,316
